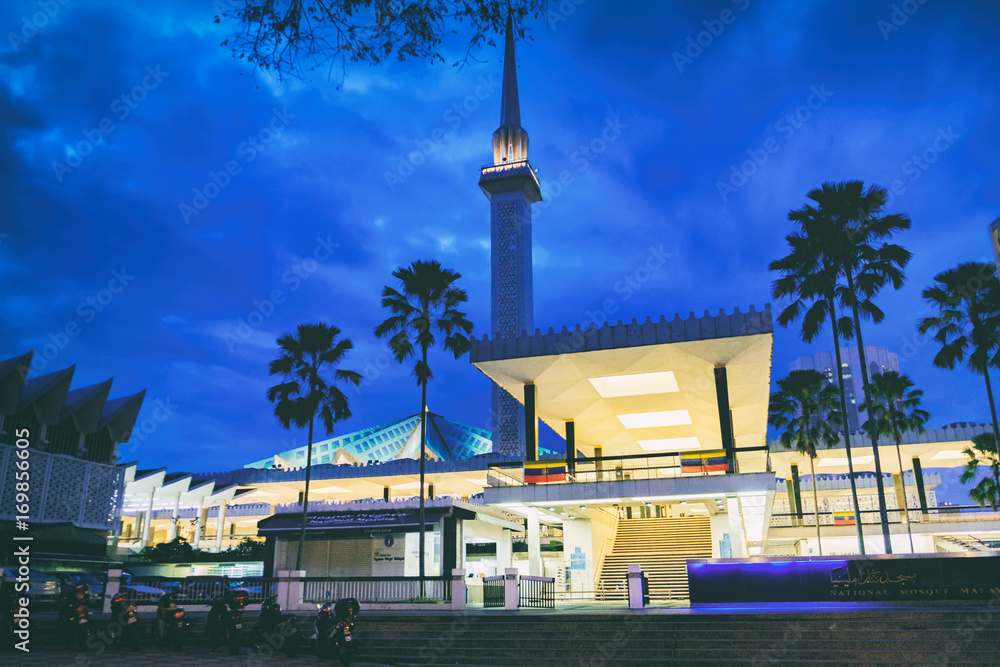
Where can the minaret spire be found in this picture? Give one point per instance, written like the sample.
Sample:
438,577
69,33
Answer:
510,111
510,141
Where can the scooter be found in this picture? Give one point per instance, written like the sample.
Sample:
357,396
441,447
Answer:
74,616
225,621
335,630
275,629
171,621
125,614
13,612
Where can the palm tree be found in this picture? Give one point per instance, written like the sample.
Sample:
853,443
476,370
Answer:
893,406
427,302
849,224
983,452
308,365
806,406
967,299
809,275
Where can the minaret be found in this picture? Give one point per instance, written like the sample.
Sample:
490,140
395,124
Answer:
512,187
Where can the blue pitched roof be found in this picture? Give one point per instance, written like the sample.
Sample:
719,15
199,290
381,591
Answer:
446,440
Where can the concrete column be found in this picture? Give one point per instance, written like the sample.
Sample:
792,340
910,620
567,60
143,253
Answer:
571,447
199,525
458,588
295,590
900,488
918,478
172,534
530,422
736,536
599,465
578,534
111,589
635,587
385,493
725,416
220,525
511,600
504,551
534,543
148,523
430,492
795,496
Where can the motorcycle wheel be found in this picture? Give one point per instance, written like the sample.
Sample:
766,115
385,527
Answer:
291,646
179,642
234,644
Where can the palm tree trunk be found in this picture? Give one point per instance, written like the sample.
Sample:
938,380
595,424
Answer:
812,471
906,505
847,435
305,496
879,484
423,455
996,429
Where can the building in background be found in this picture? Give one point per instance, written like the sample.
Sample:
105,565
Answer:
71,435
879,361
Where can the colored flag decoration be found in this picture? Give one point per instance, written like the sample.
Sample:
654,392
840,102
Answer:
543,472
843,518
708,461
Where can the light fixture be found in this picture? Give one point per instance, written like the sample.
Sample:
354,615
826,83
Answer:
670,444
639,384
655,419
948,455
331,489
839,461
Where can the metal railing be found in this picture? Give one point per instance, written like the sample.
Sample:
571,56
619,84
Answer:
197,590
946,514
374,589
632,467
493,592
536,592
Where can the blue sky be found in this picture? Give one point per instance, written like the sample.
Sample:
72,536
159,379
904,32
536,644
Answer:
178,211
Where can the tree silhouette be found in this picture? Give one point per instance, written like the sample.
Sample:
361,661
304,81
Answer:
308,364
893,406
805,408
426,302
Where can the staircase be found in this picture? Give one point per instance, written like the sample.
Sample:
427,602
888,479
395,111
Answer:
661,546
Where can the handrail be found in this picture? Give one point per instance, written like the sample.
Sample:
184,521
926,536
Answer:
604,548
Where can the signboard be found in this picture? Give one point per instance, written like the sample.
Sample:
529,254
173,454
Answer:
388,555
844,579
578,560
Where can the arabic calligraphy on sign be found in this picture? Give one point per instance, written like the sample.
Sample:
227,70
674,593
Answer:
867,575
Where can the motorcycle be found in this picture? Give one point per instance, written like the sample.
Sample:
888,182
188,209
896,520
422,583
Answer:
335,630
275,629
125,614
14,611
74,616
225,620
172,624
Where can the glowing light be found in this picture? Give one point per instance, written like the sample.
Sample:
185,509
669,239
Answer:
639,384
655,419
670,444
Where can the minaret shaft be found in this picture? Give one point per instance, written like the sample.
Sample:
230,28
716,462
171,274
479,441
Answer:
512,187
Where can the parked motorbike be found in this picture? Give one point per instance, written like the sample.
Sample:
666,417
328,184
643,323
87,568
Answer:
275,629
125,614
225,620
172,624
335,636
13,610
74,616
